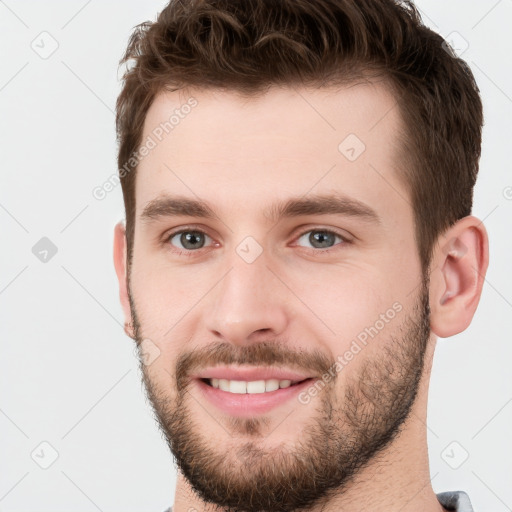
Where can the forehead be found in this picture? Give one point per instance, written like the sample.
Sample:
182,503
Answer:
237,153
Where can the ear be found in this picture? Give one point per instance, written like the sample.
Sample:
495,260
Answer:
120,264
459,265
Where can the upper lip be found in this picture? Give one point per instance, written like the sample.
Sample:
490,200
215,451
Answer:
250,374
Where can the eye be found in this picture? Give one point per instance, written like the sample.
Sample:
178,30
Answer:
189,240
320,238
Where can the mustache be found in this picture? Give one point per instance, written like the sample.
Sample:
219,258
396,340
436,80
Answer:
265,353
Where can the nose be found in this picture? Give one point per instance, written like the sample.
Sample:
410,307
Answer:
248,304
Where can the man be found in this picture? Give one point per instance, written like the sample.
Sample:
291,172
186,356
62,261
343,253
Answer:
297,179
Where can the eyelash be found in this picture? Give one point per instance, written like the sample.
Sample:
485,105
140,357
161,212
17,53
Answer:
190,253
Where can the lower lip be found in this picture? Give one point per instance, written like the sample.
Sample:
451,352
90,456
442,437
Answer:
249,404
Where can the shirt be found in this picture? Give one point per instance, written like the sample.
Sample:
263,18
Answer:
450,500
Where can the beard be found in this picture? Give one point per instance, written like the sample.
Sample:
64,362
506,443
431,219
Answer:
349,428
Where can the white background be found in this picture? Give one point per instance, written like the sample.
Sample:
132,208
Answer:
69,374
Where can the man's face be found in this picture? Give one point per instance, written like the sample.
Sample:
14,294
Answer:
272,285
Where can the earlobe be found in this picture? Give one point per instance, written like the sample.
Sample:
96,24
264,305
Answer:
120,264
128,329
462,258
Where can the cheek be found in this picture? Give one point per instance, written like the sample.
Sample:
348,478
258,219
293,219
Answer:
346,297
166,299
355,308
164,293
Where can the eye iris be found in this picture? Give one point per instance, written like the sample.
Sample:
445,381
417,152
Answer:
322,239
192,240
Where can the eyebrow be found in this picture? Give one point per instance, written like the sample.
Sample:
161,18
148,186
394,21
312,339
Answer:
179,206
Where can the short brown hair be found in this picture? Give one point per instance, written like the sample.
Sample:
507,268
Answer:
248,45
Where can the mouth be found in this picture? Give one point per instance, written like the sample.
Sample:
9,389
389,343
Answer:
247,398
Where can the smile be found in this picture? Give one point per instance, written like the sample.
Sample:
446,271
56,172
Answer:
247,393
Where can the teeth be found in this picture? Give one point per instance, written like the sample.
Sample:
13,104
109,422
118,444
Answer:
224,384
271,385
256,386
238,386
252,387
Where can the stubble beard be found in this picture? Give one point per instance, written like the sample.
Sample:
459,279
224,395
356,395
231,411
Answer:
344,435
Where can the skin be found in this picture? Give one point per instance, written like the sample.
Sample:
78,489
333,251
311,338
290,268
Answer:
240,156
